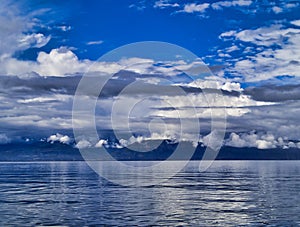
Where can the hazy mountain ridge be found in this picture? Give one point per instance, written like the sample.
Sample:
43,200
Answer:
44,151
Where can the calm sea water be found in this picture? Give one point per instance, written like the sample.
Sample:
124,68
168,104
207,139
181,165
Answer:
230,193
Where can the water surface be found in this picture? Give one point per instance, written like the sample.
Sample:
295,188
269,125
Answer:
231,193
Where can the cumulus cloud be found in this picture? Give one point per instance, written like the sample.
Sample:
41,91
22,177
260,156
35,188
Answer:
63,61
59,138
101,143
83,144
58,62
260,141
131,140
213,140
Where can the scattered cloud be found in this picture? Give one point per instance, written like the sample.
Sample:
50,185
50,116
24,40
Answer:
138,5
83,144
65,28
265,36
277,9
33,40
201,8
277,52
59,138
131,140
98,42
165,4
224,4
195,8
101,143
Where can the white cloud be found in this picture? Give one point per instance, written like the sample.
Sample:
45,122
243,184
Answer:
33,40
131,140
280,54
225,4
250,139
58,62
37,121
265,36
140,6
15,29
206,106
272,63
12,26
192,8
231,49
4,139
101,143
116,145
64,28
98,42
277,9
83,144
52,98
59,138
227,34
215,84
291,5
260,141
212,140
63,61
165,4
263,144
296,22
232,86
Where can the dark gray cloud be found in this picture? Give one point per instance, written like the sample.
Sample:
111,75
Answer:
38,85
273,93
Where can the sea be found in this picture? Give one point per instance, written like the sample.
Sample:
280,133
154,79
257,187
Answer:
228,193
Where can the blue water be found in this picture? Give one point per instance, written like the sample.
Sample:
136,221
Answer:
230,193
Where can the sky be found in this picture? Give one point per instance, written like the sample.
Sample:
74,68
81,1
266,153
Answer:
228,63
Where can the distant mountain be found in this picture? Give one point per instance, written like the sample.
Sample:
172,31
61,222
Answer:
44,151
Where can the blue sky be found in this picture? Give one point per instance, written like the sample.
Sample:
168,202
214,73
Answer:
133,21
252,49
94,28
